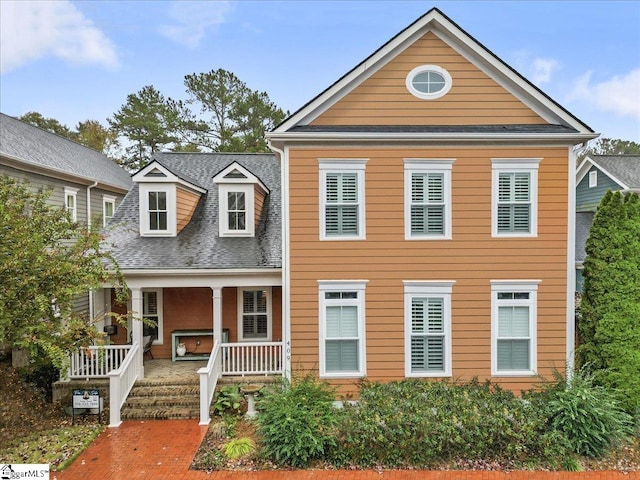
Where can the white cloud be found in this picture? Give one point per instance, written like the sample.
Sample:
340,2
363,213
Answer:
542,68
619,95
192,19
30,30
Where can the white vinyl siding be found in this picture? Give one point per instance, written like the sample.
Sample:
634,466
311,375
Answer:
254,314
342,349
342,199
427,198
514,349
427,328
515,193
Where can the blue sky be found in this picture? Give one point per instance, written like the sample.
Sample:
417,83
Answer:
78,60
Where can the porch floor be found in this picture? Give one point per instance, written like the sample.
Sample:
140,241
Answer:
165,369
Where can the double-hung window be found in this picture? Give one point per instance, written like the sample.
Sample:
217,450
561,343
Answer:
157,211
71,202
108,209
152,310
236,211
342,334
515,197
513,327
342,199
427,307
254,308
427,198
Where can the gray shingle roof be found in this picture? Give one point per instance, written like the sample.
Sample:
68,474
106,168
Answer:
199,245
524,128
34,146
624,168
583,225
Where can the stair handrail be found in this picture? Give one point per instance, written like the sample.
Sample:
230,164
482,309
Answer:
121,381
209,376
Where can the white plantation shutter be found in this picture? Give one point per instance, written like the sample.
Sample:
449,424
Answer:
427,203
150,311
514,202
341,204
427,334
342,332
255,320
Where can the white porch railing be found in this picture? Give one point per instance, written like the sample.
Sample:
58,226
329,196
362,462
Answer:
96,361
255,358
120,382
209,376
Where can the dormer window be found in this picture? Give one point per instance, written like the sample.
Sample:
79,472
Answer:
241,196
166,201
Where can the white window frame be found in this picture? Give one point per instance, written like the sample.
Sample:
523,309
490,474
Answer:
70,192
107,200
593,178
359,286
248,190
145,227
448,82
160,320
329,166
515,165
241,312
428,289
425,166
516,286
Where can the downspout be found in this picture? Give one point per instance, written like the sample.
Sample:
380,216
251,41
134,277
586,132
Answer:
574,153
286,275
91,305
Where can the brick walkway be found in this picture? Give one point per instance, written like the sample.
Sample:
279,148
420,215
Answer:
163,449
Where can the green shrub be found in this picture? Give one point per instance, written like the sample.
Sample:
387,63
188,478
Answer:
239,447
297,422
228,400
423,423
587,415
213,460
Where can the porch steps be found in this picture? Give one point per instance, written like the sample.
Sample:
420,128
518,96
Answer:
163,399
175,398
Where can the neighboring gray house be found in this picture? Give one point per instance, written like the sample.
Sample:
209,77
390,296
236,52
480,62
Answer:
82,180
596,175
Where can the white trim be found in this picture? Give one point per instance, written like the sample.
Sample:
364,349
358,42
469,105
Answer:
510,165
70,192
140,177
593,178
358,286
249,178
521,286
143,195
350,165
240,311
107,199
448,82
160,340
421,289
428,165
223,202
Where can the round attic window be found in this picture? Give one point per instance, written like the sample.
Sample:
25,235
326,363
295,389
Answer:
428,82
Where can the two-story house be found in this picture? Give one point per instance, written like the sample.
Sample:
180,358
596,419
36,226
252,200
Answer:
429,218
82,180
416,220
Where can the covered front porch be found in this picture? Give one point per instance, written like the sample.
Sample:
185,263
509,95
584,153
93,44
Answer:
223,326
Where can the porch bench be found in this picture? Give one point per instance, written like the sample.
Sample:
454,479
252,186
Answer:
175,339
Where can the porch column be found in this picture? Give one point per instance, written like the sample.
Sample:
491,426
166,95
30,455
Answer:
136,328
217,313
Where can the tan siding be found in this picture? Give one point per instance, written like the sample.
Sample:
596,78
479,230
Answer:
259,196
186,203
474,99
472,258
